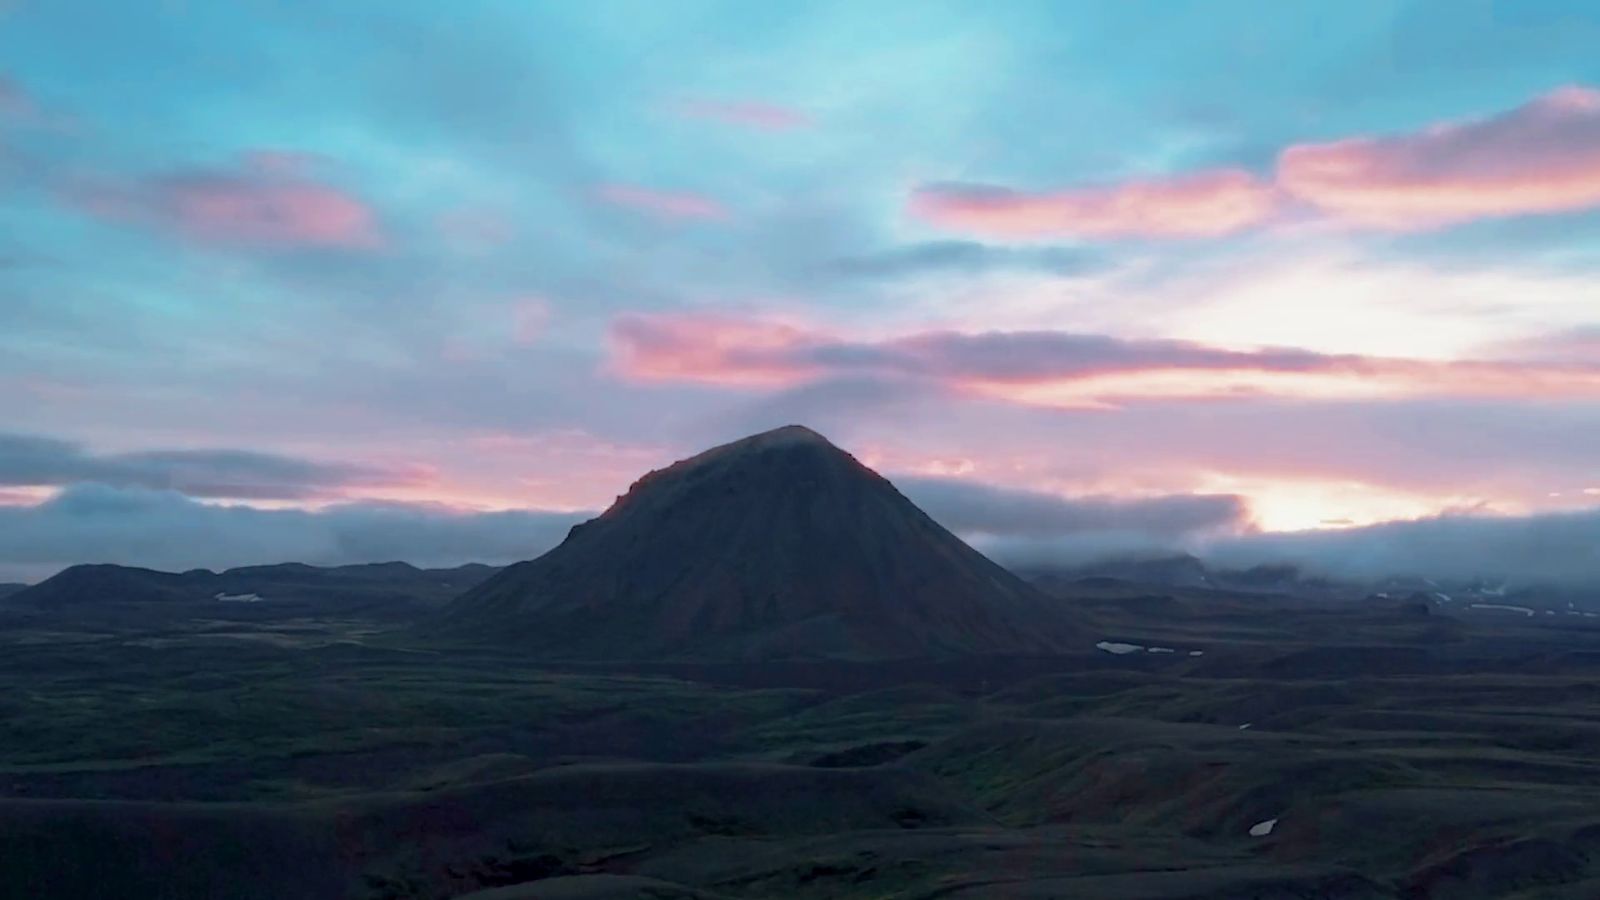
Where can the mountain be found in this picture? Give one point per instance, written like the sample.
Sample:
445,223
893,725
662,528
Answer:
1169,571
8,588
90,584
285,586
778,545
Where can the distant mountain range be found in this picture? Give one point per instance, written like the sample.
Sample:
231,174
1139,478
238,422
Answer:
779,545
1186,572
398,585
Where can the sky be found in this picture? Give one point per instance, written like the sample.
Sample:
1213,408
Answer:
337,282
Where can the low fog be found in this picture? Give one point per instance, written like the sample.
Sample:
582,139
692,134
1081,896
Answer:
164,529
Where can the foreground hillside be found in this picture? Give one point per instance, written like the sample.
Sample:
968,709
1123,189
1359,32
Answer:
1398,752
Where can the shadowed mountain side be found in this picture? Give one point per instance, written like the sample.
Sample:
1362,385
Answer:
778,545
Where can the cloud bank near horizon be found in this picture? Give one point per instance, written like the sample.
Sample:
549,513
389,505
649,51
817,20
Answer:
165,529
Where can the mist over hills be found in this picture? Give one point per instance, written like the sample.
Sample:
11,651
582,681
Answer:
1021,529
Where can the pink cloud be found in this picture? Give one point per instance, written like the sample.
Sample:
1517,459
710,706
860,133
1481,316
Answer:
746,114
1579,345
711,349
1204,204
247,207
664,204
1047,368
1542,157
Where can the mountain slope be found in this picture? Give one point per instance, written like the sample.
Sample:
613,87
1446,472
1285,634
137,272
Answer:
777,545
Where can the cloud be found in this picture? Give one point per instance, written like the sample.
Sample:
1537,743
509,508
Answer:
1050,368
973,508
677,205
750,114
1552,548
166,530
33,461
945,257
1576,345
709,348
1204,204
1542,157
1026,528
265,202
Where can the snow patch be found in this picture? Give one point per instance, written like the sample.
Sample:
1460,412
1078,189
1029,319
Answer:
1262,829
1518,609
1117,648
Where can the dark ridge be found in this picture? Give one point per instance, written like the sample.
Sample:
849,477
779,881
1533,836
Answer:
101,585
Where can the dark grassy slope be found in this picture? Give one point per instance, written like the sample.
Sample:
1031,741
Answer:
778,545
322,760
558,821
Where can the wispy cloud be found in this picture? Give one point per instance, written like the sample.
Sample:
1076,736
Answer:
35,461
266,201
1541,157
752,114
1058,368
678,205
1204,204
960,257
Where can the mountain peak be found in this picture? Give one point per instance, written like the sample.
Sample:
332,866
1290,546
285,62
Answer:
785,436
776,545
785,433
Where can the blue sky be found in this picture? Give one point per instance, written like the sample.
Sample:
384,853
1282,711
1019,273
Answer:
1334,262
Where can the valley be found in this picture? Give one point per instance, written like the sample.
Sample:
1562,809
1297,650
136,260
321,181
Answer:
1402,753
